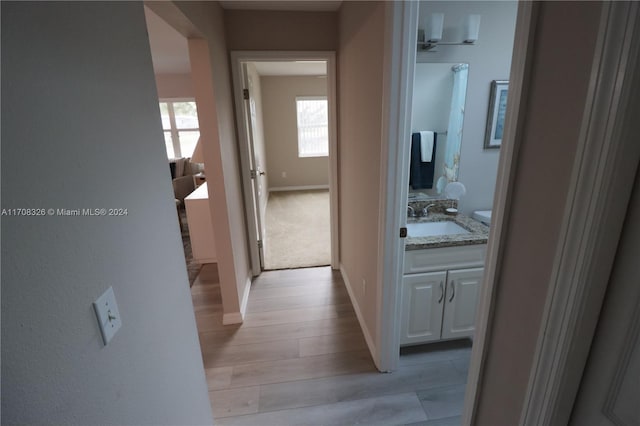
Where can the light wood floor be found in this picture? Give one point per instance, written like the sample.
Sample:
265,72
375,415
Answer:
300,358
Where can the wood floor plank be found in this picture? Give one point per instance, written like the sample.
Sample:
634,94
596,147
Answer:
218,377
370,384
442,402
206,299
234,402
322,272
212,321
295,302
248,335
462,365
284,316
387,410
301,368
449,421
309,291
333,343
235,355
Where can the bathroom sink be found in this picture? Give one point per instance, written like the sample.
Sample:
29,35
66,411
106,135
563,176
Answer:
430,229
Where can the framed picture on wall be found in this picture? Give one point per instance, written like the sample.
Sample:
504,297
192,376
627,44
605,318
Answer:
496,113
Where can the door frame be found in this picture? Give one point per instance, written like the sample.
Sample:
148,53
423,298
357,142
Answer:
594,211
607,159
237,58
397,126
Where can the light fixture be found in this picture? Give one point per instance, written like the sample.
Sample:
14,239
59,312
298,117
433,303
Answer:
431,36
471,29
436,21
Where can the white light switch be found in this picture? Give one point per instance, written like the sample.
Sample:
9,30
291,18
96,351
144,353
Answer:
108,315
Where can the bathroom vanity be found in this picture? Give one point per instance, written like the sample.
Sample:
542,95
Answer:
443,269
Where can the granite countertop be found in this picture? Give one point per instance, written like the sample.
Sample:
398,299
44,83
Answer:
479,233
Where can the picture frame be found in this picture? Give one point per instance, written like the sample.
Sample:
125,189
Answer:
496,114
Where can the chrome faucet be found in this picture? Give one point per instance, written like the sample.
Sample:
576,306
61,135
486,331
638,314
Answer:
411,212
425,211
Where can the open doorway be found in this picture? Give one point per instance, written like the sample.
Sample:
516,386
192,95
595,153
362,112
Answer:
289,110
179,116
441,262
287,128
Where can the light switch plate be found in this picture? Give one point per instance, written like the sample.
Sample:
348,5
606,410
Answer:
108,315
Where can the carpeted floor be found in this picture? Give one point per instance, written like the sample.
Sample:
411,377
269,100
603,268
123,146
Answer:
193,267
298,233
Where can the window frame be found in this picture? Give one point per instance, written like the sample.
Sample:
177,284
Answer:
173,130
312,98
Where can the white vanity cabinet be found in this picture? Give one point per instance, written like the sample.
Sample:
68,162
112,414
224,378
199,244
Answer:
422,301
461,301
440,304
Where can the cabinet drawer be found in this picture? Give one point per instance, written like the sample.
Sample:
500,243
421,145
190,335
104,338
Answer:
438,259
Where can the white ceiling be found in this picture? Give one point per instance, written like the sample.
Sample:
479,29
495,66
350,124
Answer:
169,50
282,68
304,6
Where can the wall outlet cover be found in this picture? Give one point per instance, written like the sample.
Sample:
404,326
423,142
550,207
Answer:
107,314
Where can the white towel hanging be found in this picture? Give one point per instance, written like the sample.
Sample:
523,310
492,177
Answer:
426,146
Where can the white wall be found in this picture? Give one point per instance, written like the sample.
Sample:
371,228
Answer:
281,132
81,119
489,59
360,82
174,86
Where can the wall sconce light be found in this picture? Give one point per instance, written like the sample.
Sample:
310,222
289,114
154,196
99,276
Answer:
430,38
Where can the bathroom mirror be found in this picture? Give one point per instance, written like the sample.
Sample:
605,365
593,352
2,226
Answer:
439,94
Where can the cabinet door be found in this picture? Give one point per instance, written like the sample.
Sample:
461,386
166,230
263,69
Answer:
461,300
422,302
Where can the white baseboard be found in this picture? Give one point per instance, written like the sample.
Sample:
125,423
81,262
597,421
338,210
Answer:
298,188
232,318
238,317
365,330
245,296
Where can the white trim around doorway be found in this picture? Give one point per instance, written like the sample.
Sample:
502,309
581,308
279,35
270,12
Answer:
237,58
607,158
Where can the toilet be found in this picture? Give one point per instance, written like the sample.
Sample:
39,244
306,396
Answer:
483,216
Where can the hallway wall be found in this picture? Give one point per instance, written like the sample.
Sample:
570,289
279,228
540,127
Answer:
79,106
360,84
280,30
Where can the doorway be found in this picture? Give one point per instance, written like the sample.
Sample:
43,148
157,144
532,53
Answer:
179,116
287,130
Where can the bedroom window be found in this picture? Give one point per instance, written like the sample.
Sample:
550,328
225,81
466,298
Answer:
313,126
180,125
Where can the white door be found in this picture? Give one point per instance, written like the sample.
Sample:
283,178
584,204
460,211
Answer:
609,393
256,211
422,301
461,300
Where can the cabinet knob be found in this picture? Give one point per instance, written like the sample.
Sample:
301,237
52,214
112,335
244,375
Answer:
453,291
441,293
